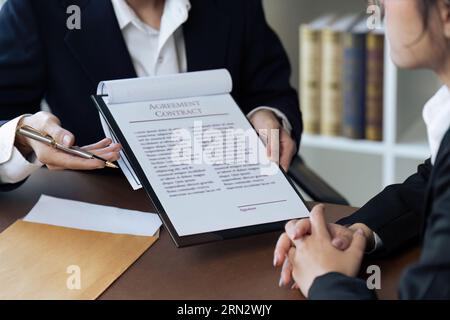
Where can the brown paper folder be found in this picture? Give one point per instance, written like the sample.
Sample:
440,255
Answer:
38,261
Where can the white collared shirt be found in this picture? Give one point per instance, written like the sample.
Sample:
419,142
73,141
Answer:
436,115
153,52
13,166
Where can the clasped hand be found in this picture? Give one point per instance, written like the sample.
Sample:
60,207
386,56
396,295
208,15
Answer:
311,248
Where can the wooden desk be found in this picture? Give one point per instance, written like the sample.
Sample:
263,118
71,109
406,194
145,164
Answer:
234,269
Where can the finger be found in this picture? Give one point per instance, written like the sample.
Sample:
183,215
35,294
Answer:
340,243
66,161
290,227
342,236
274,143
286,273
111,148
285,161
302,228
281,250
291,256
358,245
288,149
60,135
99,145
111,157
263,134
53,168
297,229
318,224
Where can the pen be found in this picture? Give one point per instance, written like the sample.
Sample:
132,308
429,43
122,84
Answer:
36,135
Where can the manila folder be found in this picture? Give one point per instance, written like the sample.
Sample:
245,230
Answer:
39,261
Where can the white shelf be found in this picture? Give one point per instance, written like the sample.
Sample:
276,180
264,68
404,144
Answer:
419,151
343,144
412,151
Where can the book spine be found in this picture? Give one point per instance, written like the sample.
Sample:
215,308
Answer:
310,72
331,83
374,90
354,85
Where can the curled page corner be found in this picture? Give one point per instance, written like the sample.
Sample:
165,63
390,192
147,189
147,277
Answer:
174,86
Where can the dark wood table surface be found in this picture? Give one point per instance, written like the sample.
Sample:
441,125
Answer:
232,269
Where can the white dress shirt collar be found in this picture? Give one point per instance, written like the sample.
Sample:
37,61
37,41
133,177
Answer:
155,52
125,15
436,114
174,15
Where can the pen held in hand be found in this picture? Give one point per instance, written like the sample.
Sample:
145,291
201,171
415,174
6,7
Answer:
36,135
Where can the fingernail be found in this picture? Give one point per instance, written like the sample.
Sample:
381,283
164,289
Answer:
360,232
281,283
294,286
299,233
66,140
275,261
338,243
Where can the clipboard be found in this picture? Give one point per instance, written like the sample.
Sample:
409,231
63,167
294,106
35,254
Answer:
188,240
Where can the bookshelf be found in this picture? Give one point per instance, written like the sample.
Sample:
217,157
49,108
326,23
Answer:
359,168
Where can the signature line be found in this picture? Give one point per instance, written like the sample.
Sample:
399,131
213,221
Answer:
261,204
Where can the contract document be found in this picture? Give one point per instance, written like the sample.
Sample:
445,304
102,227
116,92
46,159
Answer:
189,145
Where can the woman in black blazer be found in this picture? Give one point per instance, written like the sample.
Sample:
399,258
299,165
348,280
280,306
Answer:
324,260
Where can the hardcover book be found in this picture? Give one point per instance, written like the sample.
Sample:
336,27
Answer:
375,85
331,82
310,72
354,81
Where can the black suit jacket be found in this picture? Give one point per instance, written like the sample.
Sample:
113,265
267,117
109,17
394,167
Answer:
416,209
41,58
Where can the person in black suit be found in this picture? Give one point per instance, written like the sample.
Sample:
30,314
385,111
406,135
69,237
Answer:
324,260
119,39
